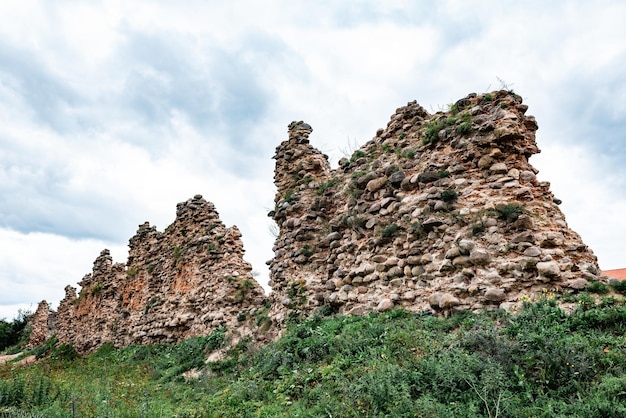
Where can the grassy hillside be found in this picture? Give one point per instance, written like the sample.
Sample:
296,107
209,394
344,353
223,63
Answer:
539,363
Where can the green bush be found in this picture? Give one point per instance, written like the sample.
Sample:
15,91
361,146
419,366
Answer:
540,362
509,212
327,185
464,128
356,155
619,286
14,332
599,288
449,196
389,231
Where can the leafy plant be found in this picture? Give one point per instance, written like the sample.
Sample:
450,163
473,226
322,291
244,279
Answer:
619,286
598,287
432,130
15,332
356,155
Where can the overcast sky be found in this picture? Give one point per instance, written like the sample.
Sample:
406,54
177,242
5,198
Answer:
111,112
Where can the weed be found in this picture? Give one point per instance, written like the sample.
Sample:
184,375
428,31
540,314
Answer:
358,174
290,196
449,196
387,148
132,272
539,362
619,286
243,288
443,174
356,155
96,289
178,253
505,86
307,250
509,212
477,229
151,303
324,186
598,287
389,231
432,131
464,128
410,154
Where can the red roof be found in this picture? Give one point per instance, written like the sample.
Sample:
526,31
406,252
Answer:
616,274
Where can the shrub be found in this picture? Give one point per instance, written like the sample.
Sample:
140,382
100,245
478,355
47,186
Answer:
178,253
14,332
477,229
432,131
356,155
307,250
619,286
64,352
389,231
327,185
449,196
509,212
464,128
598,287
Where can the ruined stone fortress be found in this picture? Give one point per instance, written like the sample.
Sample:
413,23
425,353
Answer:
437,212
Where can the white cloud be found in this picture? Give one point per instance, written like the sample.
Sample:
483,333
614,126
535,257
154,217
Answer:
37,266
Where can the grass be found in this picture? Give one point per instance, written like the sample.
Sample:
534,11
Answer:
324,186
538,363
509,212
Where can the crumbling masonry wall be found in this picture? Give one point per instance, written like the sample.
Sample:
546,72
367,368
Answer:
186,281
437,212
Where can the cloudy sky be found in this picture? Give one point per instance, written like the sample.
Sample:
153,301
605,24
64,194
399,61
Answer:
112,111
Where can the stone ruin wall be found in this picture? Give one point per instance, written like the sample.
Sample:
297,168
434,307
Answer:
186,281
437,212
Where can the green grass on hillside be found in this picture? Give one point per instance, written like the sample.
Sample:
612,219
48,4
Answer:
538,363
